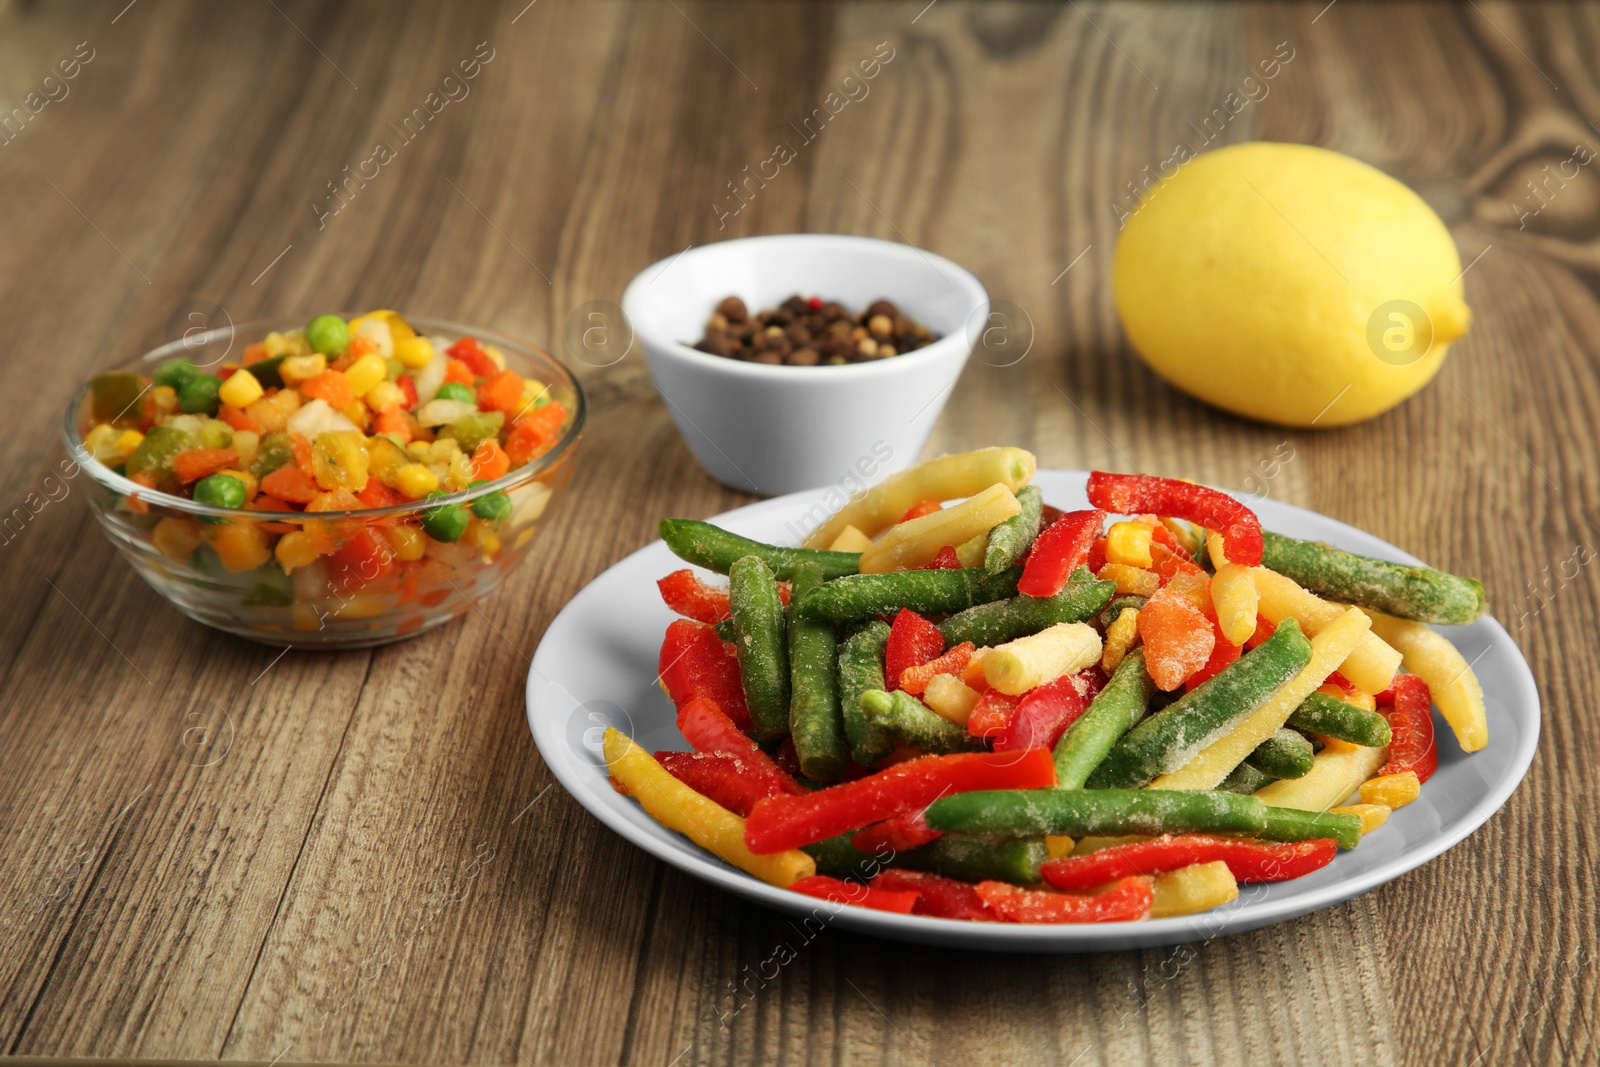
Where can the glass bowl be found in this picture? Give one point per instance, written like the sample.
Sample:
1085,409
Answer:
397,583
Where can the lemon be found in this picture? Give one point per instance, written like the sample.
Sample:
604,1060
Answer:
1289,284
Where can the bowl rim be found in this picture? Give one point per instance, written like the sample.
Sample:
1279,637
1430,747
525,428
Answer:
125,486
947,345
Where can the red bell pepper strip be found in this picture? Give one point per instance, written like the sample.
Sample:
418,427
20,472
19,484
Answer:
1222,654
1044,714
1097,556
913,641
914,680
1133,494
716,776
1122,901
1411,744
899,834
470,352
686,594
784,822
1265,628
1163,536
945,560
921,508
1250,861
708,729
938,897
863,896
991,713
1061,549
696,663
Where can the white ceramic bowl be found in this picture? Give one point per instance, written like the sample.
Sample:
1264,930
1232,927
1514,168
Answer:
777,429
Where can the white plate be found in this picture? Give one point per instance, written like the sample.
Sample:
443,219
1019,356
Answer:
596,667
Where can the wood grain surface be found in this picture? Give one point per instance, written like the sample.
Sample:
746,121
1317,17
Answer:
206,852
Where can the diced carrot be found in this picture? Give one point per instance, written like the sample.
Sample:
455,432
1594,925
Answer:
458,372
329,386
238,419
360,346
534,432
914,680
489,461
1178,638
291,484
195,463
502,392
392,420
468,351
334,500
254,353
302,451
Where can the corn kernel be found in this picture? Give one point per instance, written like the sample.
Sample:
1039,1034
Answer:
297,369
1058,845
240,546
385,394
240,390
460,472
1392,790
176,538
101,442
278,344
359,607
1372,816
295,550
271,413
366,372
126,442
1129,543
338,461
357,413
407,542
495,355
414,352
165,400
1120,636
1131,581
415,481
418,450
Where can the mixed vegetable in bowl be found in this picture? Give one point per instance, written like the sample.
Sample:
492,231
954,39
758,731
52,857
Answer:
302,475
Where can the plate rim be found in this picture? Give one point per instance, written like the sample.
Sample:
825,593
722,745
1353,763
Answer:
1230,918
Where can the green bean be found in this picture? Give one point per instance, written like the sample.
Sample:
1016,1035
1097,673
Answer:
716,549
1285,754
943,592
1418,593
1168,739
977,859
1010,541
758,627
1112,713
861,669
1329,716
971,859
1025,812
814,720
907,720
1000,621
1109,614
1292,824
1245,779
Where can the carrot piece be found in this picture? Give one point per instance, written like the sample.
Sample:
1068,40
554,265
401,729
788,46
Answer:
392,420
533,433
329,386
1178,638
502,392
291,484
238,419
915,679
196,463
458,372
489,461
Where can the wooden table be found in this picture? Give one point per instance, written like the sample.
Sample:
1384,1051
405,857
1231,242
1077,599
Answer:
209,852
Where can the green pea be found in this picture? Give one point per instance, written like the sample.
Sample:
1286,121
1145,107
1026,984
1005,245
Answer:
175,373
328,335
456,391
492,508
199,395
219,491
445,523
